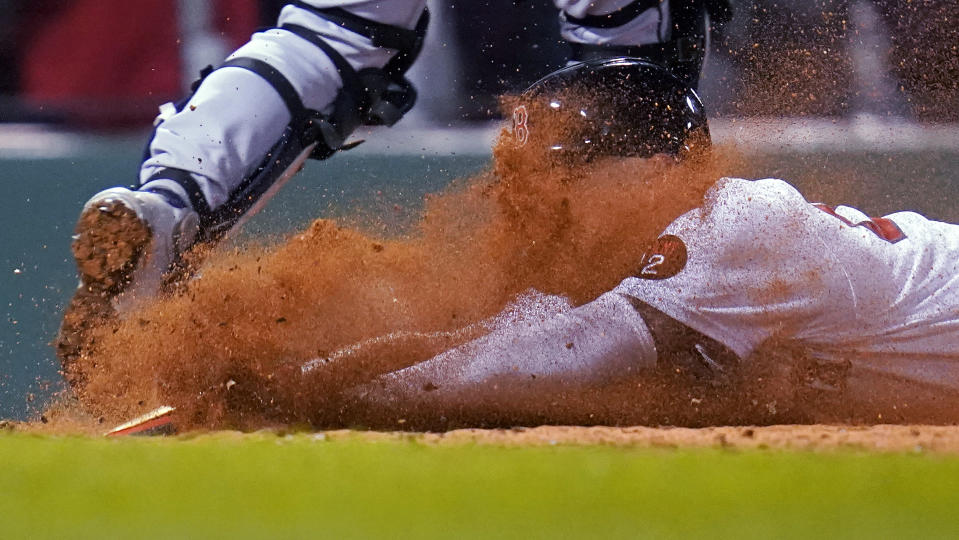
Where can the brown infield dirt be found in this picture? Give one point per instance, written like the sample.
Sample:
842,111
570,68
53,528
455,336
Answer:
816,437
884,438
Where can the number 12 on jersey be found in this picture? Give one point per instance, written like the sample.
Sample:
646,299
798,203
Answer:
663,259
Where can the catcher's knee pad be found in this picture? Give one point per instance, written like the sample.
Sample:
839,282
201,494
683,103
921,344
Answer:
682,53
370,96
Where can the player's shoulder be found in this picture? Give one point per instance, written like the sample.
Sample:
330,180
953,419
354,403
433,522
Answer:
735,202
765,192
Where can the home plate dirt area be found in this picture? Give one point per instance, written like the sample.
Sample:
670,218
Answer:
882,438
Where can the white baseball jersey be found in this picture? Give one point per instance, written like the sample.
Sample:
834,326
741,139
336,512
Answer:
763,262
757,261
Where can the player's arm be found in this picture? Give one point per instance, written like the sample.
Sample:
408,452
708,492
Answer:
364,361
594,355
597,343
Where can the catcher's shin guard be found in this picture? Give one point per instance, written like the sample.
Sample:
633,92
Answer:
128,241
370,96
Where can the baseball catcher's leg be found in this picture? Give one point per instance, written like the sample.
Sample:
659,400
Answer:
293,92
673,36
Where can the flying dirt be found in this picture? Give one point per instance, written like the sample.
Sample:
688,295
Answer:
228,347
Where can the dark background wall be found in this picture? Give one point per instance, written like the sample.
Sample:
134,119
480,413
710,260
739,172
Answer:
780,58
102,63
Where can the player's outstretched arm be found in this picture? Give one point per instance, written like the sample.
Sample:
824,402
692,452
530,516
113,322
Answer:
363,362
588,346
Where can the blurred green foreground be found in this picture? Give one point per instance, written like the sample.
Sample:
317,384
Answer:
304,486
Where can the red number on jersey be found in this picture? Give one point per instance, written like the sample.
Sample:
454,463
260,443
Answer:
883,228
663,259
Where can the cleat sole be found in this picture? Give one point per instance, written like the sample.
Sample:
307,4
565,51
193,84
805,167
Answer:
108,243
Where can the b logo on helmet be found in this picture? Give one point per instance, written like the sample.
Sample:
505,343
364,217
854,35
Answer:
520,126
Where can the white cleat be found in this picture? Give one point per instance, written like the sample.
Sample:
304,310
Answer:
125,242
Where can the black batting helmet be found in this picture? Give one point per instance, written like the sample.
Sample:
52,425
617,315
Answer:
621,107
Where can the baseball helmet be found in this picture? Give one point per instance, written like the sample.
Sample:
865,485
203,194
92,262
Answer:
614,107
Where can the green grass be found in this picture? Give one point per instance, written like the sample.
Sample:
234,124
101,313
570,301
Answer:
228,486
